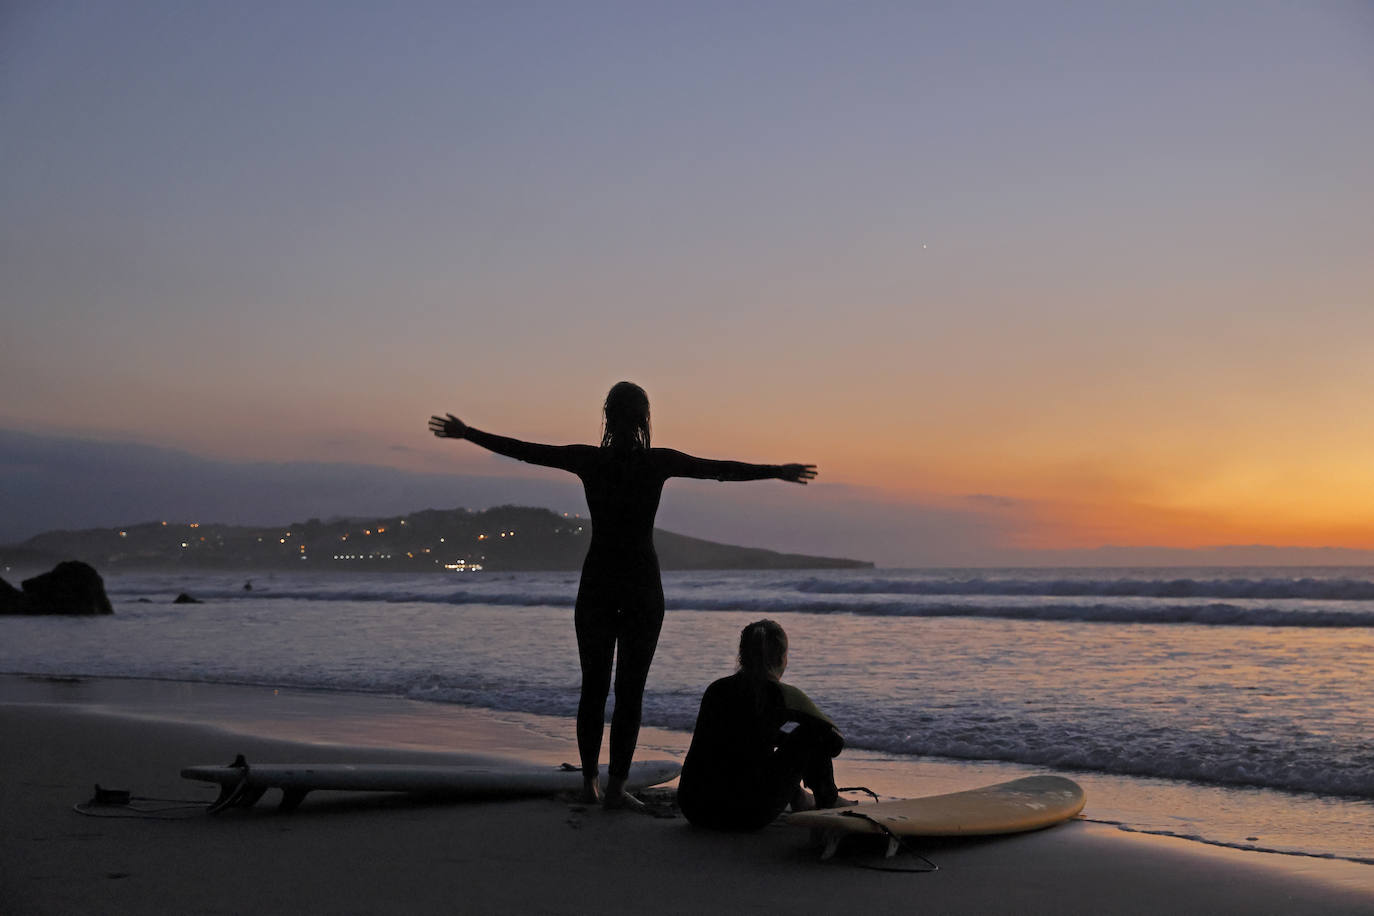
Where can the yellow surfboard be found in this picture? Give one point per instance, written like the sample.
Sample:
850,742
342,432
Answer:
1008,807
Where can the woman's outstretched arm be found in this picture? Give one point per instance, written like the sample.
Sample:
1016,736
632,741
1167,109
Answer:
564,457
680,464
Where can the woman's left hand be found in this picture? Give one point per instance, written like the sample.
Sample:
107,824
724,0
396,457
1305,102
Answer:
798,473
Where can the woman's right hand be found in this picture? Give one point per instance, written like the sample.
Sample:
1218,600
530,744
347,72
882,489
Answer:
798,473
448,427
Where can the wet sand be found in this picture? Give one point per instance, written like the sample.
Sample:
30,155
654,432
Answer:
380,853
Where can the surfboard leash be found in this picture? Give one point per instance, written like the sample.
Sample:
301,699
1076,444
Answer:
122,803
238,793
894,841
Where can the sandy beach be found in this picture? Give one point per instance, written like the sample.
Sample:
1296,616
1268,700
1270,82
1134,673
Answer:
376,853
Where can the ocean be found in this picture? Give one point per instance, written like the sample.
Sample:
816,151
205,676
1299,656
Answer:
1228,706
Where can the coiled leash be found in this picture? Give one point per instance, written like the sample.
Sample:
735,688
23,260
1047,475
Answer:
894,842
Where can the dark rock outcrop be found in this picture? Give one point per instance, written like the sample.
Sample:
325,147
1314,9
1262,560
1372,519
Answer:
70,587
184,598
12,600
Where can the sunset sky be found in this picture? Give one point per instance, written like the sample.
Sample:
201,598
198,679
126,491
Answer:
1029,275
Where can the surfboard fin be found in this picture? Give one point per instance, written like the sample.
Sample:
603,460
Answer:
829,839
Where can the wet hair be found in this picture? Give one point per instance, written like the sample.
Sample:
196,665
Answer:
762,647
625,423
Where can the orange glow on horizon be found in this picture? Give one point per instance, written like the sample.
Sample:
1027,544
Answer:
1086,503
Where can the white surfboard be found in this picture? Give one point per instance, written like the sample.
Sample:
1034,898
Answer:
242,784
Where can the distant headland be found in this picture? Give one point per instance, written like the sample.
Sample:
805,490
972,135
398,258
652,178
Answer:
504,538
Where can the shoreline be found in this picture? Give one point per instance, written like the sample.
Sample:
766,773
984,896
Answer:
344,852
1244,818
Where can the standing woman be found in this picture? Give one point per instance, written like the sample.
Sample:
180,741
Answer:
620,598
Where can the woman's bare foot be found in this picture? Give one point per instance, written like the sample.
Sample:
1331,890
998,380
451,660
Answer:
624,801
591,791
617,799
802,800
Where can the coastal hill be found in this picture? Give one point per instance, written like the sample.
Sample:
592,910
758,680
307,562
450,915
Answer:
503,538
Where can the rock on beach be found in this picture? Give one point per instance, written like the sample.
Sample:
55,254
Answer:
70,588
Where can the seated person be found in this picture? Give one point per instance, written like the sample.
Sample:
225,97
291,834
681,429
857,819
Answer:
756,741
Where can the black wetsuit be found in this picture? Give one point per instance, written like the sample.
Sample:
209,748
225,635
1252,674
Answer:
620,599
755,741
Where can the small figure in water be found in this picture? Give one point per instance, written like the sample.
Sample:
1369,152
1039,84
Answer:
620,598
756,741
248,585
